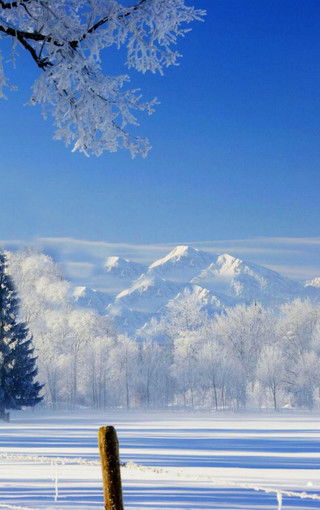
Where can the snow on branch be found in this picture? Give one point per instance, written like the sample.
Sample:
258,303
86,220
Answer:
65,38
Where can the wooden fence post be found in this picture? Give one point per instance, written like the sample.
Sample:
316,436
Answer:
109,453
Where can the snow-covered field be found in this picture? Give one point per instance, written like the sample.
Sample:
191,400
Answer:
196,461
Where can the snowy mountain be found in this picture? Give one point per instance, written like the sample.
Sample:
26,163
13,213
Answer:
126,320
201,297
244,281
123,268
313,283
116,274
135,295
191,297
90,298
148,294
181,264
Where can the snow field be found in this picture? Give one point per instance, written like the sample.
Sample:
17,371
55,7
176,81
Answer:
173,461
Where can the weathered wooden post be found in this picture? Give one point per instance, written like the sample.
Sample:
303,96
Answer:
109,453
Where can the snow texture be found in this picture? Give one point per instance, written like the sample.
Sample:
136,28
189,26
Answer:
172,461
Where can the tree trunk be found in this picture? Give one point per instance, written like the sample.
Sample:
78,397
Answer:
215,395
274,393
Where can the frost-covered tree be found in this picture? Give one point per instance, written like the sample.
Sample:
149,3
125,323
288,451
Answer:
18,387
246,354
215,366
39,284
153,378
181,316
185,367
296,328
271,371
185,314
124,369
243,330
66,38
81,325
44,307
71,343
99,380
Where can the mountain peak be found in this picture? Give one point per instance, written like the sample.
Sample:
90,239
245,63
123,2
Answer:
228,261
113,262
181,264
182,250
315,282
177,253
226,257
79,291
123,268
91,298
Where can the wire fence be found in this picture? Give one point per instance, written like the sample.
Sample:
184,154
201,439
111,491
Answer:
55,462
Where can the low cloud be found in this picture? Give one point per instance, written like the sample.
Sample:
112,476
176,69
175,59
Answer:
82,260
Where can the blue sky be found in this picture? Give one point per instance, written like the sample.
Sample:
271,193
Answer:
235,142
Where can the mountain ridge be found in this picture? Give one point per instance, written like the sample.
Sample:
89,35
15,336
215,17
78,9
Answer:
217,281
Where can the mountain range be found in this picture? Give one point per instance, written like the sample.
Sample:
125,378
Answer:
139,293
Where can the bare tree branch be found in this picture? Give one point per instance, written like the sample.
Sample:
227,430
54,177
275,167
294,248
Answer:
8,5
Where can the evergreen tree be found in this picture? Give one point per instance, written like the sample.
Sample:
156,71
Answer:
18,387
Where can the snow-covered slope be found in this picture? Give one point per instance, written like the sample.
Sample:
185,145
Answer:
202,298
123,268
126,320
91,298
181,264
191,297
116,274
247,282
313,283
135,306
148,294
191,459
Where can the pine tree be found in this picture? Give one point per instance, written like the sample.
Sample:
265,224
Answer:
18,387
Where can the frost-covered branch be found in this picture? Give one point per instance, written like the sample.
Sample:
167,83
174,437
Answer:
92,109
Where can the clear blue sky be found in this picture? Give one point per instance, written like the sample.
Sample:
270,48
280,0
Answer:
236,142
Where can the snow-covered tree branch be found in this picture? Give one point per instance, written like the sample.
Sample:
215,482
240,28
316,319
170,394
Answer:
65,38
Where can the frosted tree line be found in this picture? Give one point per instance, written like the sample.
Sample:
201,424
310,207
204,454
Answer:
248,356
